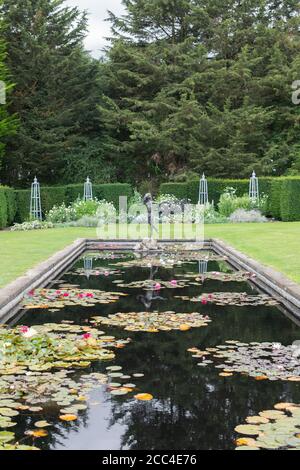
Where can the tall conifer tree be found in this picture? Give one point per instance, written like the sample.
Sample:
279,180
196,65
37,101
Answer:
55,94
203,85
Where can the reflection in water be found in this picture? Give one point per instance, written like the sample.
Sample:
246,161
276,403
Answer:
193,408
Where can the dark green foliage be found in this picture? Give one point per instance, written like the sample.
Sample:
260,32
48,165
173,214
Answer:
7,122
52,196
3,208
23,205
11,205
7,206
274,203
290,200
283,193
55,95
56,195
180,190
203,86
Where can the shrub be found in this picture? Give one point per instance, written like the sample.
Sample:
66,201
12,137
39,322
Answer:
242,216
61,214
32,225
11,204
216,188
179,190
23,205
3,209
7,206
57,195
103,211
52,196
290,200
230,202
274,204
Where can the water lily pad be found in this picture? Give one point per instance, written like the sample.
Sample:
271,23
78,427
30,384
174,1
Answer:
8,412
119,392
248,429
68,417
6,436
144,396
42,424
38,433
272,414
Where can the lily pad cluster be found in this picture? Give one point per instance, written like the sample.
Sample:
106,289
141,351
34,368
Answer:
262,361
119,384
277,429
51,346
168,259
154,322
238,276
99,271
149,284
241,299
38,393
57,299
105,255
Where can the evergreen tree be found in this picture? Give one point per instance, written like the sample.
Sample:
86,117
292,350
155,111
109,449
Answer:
55,94
7,122
203,85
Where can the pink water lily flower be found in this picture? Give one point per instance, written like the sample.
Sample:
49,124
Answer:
203,301
87,336
157,286
24,329
90,295
174,282
28,332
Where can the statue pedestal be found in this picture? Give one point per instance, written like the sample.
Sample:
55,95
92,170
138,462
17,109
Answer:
148,244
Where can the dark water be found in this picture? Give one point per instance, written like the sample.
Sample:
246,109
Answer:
193,407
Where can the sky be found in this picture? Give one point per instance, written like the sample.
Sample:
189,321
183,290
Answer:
99,29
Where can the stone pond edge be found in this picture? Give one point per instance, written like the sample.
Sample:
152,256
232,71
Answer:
266,278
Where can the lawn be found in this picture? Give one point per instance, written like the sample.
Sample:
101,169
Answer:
274,244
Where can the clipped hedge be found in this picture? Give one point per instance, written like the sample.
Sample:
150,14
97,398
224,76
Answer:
274,202
11,204
216,187
7,206
283,195
290,200
56,195
3,208
180,190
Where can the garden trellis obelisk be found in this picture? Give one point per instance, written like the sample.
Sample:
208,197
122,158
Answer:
254,187
35,201
88,190
88,265
203,191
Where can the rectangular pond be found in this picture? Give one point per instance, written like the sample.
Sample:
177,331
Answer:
163,389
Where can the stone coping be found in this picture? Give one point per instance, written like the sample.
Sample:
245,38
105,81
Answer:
274,283
286,291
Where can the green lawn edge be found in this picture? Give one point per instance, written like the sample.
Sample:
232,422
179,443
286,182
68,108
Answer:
273,244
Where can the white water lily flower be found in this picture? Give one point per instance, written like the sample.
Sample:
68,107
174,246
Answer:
30,333
277,345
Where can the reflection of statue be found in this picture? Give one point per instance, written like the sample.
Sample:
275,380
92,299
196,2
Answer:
150,295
